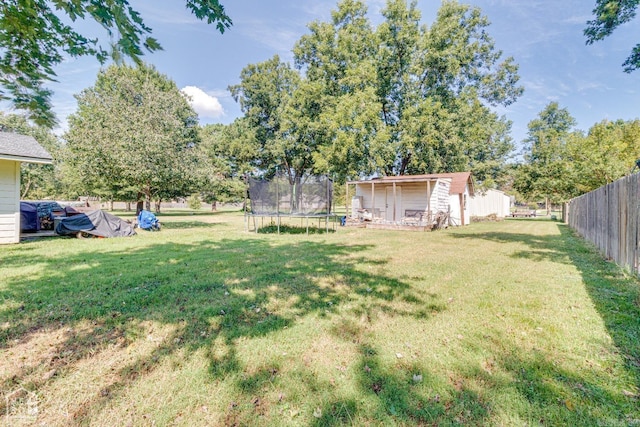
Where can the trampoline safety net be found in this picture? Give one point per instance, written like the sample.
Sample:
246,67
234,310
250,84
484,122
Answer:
308,195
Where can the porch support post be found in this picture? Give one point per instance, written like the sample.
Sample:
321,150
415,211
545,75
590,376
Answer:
373,200
346,199
429,201
394,202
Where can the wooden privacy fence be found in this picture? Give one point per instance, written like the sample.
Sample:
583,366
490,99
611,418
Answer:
608,217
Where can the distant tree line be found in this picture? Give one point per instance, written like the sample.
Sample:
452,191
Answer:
358,101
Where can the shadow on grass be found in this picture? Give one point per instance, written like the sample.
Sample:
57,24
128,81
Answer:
213,292
187,213
180,225
616,297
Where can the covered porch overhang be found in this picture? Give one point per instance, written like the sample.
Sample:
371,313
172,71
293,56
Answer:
392,216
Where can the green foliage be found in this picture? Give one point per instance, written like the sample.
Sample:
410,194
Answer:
264,92
37,181
229,152
609,15
546,172
134,134
606,153
194,202
395,99
560,163
36,36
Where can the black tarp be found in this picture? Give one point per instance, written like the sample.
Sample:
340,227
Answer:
97,223
29,221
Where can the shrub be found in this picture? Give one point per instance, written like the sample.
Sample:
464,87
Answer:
194,203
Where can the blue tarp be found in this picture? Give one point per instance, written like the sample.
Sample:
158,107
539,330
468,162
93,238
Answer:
148,221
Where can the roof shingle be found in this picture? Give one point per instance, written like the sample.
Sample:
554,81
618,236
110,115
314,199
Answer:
22,148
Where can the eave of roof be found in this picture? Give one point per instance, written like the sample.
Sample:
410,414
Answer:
22,148
458,180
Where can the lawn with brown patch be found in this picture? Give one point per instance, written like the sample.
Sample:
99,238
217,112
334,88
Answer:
500,323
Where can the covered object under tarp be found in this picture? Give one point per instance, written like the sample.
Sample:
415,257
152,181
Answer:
97,223
29,221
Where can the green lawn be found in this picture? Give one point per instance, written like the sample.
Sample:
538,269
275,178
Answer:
499,323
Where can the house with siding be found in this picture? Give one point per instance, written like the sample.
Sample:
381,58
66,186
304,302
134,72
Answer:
412,200
14,150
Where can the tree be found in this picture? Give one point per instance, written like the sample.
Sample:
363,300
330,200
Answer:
229,152
546,172
35,37
606,153
609,15
36,181
337,109
429,108
393,100
461,76
134,135
264,92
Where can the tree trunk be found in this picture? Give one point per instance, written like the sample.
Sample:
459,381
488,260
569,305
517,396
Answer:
547,205
128,207
111,205
158,204
147,199
214,206
26,190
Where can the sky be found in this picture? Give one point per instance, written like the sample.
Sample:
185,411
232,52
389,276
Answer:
545,37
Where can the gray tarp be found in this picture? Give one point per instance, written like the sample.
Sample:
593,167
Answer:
97,223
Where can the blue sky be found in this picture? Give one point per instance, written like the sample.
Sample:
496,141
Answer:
544,36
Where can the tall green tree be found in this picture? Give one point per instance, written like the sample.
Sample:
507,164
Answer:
36,181
461,77
134,133
609,15
339,62
396,99
264,92
429,107
547,172
37,35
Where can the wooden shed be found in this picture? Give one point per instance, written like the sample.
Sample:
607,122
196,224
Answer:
15,149
412,199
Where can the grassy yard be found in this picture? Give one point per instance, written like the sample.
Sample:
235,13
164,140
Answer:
509,324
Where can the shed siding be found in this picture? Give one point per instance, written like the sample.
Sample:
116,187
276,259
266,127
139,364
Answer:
9,201
414,197
442,195
492,202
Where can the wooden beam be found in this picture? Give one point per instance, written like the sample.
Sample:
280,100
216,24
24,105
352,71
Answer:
346,199
429,201
373,200
394,202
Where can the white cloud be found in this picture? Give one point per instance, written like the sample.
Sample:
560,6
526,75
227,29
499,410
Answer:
204,104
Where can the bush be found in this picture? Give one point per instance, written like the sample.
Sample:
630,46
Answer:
194,203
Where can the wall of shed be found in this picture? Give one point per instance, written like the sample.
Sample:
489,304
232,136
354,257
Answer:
492,202
9,201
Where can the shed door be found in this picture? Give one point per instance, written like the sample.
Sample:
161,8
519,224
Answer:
392,204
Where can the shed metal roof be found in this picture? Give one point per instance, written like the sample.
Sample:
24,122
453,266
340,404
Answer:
22,148
458,180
